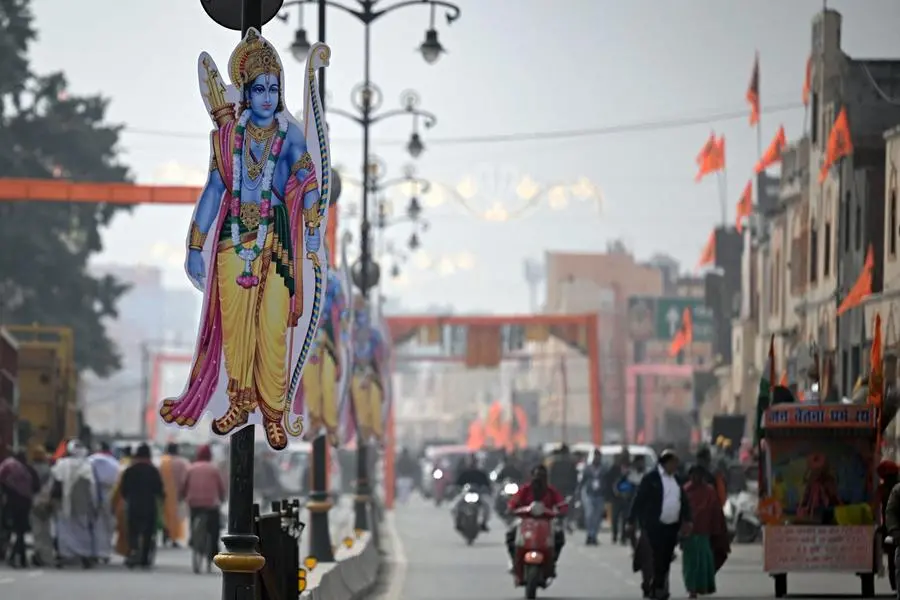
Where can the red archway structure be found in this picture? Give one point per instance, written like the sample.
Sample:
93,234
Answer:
632,372
401,327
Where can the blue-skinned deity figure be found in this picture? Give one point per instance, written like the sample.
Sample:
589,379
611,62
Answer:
254,245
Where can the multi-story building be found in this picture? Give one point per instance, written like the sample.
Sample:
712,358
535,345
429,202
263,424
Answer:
845,211
601,283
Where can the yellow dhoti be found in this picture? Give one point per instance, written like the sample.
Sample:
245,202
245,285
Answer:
320,390
376,397
254,327
360,388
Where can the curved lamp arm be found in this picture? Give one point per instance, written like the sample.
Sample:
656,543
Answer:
360,15
453,11
424,184
429,118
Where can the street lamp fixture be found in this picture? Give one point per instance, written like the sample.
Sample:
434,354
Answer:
431,48
414,209
395,271
415,147
414,242
300,46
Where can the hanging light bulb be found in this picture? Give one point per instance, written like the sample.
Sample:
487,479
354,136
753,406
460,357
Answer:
300,46
414,146
414,209
431,48
414,242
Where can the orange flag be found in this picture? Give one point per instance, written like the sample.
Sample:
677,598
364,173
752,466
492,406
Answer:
807,82
772,154
744,206
711,158
708,256
876,368
863,286
839,143
753,93
520,435
684,337
783,382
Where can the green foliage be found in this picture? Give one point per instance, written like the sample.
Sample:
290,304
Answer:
47,133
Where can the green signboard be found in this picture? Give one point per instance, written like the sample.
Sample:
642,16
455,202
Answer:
658,318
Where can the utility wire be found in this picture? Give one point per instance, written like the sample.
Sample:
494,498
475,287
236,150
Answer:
560,134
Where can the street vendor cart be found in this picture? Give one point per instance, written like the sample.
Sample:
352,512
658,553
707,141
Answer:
818,501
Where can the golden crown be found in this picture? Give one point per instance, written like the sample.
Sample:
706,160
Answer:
253,57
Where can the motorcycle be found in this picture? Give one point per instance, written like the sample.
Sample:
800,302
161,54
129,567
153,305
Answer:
534,556
468,515
501,500
742,519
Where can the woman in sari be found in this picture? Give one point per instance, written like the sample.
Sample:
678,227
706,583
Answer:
706,549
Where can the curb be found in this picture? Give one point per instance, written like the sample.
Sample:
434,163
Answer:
353,576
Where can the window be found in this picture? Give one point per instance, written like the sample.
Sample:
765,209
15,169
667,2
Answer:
846,224
857,228
892,224
826,268
813,254
814,118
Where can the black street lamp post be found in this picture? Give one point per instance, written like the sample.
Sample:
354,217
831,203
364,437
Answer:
367,272
240,561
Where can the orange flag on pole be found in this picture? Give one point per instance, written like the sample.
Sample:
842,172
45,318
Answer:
840,144
711,158
744,206
862,289
753,93
708,256
772,154
684,337
807,82
876,368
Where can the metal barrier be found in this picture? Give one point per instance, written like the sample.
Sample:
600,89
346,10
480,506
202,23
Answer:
279,533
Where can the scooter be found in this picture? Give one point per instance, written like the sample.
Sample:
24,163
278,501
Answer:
534,558
742,519
468,515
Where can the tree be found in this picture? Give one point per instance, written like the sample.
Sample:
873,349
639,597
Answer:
47,133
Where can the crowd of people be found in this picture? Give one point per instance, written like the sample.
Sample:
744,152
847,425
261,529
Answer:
654,509
84,507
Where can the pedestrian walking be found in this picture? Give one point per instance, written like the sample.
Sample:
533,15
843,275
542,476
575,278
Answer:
705,550
662,509
141,490
591,492
18,485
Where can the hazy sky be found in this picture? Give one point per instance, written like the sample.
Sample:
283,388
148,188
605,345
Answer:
513,66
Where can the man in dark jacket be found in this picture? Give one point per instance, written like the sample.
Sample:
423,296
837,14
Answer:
618,504
142,491
892,529
661,508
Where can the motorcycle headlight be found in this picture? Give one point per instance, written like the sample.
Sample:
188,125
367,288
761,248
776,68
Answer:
510,489
471,498
437,474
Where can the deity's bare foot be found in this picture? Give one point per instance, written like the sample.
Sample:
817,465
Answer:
276,435
234,417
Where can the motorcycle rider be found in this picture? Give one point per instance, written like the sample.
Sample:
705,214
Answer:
473,476
538,490
511,470
563,473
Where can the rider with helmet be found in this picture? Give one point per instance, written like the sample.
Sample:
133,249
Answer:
473,476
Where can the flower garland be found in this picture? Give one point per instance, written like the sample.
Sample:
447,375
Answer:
250,253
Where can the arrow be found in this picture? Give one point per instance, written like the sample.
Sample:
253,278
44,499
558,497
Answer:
673,318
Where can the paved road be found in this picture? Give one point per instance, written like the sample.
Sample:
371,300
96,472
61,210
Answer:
170,578
437,565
